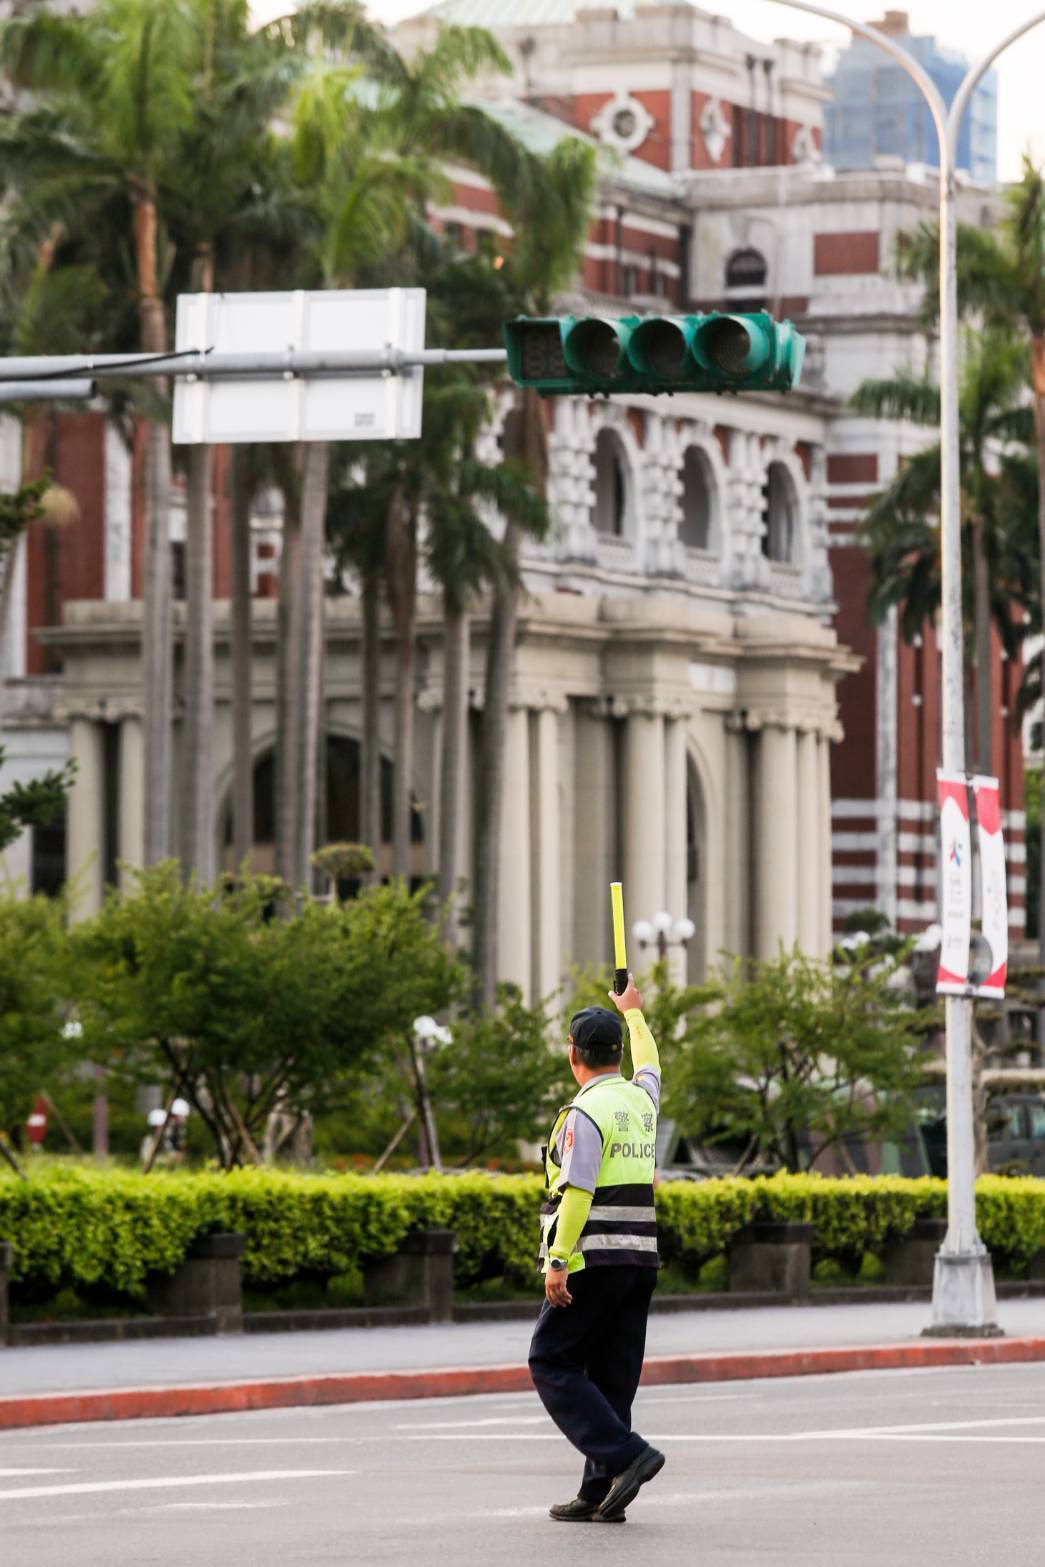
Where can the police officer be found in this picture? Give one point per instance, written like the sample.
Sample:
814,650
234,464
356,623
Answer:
599,1253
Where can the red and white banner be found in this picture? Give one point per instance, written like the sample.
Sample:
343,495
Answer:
995,920
956,884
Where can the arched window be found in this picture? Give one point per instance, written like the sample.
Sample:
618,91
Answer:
779,515
611,485
697,529
342,806
746,279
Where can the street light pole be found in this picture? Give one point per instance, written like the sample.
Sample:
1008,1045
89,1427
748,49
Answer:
963,1283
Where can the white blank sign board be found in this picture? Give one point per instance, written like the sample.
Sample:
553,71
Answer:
357,407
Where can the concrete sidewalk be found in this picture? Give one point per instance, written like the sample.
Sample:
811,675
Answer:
260,1356
159,1378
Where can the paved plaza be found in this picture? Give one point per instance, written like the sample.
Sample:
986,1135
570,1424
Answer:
872,1468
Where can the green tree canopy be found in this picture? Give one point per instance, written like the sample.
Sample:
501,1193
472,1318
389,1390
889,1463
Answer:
241,1011
34,1052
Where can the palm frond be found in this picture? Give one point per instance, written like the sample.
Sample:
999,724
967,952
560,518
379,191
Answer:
457,57
898,397
509,487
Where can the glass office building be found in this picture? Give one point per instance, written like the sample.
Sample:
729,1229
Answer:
877,111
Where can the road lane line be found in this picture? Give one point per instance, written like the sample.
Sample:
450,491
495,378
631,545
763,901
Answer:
166,1482
933,1425
129,1445
972,1440
454,1425
14,1474
206,1507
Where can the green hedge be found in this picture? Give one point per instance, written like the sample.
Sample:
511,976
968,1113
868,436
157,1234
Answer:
79,1227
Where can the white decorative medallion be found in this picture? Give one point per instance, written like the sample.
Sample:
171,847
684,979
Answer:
623,123
715,129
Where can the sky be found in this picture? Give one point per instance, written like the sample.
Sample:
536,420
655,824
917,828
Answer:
970,26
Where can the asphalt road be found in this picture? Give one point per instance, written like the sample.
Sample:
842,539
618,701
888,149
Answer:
873,1469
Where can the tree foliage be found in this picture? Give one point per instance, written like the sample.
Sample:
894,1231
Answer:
240,1011
497,1083
34,1051
794,1056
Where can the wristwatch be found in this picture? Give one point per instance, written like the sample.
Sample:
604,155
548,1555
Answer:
556,1264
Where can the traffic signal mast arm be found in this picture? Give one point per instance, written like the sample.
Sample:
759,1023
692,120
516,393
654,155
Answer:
588,355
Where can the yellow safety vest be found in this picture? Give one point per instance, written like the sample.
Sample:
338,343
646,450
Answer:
621,1228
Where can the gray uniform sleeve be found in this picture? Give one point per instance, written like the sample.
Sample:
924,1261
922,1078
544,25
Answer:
648,1077
579,1146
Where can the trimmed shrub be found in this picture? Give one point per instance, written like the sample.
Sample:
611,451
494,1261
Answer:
76,1227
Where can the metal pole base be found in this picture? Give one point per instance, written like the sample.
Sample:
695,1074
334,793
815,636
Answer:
964,1304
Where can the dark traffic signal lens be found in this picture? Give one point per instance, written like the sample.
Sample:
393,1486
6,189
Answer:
727,344
658,348
595,349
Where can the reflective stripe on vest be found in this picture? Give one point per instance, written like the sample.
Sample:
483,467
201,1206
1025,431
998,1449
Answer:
621,1227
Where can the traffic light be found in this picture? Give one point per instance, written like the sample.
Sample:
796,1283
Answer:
587,355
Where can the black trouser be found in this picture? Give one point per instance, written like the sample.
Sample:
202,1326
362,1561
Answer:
586,1360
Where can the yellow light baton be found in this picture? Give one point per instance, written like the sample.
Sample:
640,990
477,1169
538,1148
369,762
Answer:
620,946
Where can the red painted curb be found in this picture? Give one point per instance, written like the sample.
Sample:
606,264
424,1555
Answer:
135,1403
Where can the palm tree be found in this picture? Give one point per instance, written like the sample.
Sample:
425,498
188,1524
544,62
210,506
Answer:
364,195
375,165
549,218
114,91
357,512
464,558
901,527
1001,277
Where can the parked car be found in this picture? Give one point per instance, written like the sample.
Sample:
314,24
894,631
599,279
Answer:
1015,1136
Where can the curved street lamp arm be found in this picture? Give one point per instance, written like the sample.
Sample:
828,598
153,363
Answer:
972,80
922,80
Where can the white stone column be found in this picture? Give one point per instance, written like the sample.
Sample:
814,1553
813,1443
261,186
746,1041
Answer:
85,829
676,877
596,811
131,845
513,887
777,845
645,854
809,885
546,854
739,848
826,862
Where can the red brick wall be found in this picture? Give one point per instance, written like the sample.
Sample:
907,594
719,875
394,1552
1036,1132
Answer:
846,255
853,763
656,148
852,468
67,561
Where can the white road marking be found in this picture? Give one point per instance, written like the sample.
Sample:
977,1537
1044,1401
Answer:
13,1474
647,1398
935,1426
95,1487
206,1507
696,1496
131,1446
452,1425
972,1440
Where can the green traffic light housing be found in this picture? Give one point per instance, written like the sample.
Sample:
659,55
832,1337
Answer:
588,355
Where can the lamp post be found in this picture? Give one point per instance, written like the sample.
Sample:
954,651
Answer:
427,1035
665,931
963,1283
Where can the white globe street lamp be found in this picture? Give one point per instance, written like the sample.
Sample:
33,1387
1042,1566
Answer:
664,931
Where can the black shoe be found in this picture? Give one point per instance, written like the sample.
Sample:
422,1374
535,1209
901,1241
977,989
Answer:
579,1511
626,1485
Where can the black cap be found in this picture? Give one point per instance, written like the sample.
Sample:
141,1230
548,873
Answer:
597,1034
